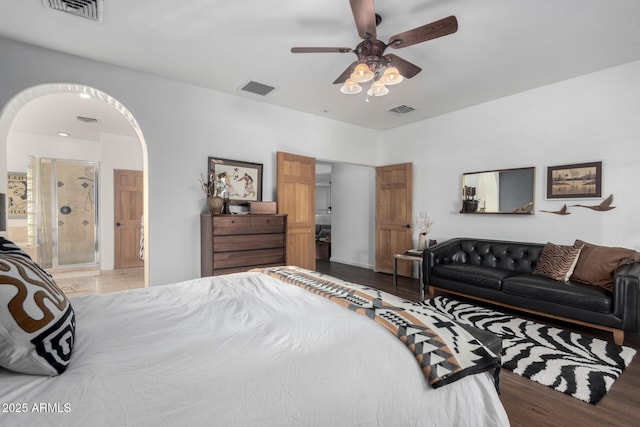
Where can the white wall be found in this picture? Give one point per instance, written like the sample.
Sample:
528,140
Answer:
589,118
353,214
111,152
182,125
116,152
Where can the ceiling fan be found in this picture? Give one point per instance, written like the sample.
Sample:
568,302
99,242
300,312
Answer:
372,63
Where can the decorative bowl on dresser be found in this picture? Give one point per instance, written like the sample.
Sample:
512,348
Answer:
234,243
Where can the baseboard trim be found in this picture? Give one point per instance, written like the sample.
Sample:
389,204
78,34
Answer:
349,262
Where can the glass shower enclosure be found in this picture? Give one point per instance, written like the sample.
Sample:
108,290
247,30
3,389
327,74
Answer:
64,218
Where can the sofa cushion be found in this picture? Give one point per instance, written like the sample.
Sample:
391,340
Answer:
520,257
557,262
486,277
570,293
597,264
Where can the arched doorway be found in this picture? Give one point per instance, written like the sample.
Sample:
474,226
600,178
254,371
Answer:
29,96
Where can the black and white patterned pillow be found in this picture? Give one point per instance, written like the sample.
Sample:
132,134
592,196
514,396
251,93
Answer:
37,322
8,247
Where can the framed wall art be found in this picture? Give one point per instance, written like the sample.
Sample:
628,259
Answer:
16,195
576,181
240,182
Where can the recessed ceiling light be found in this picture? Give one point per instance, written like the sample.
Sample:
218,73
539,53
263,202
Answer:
63,134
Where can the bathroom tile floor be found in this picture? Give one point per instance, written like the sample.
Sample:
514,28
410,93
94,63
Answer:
100,282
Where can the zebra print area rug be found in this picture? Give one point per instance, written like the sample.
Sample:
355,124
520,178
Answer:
571,363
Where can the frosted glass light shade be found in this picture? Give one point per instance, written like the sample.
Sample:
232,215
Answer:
362,74
350,87
391,76
378,89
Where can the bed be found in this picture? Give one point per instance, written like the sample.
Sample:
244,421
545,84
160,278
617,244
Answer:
245,349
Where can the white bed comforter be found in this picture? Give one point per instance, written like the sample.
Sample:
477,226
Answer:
238,350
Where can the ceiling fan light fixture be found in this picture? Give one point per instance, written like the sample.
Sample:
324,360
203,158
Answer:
391,76
378,89
362,73
350,87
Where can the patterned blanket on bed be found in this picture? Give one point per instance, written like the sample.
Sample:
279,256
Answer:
443,349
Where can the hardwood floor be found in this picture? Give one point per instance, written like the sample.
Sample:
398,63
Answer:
528,403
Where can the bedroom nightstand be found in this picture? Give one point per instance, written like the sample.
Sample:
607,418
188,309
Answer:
413,257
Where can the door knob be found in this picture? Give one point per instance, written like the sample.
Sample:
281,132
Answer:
118,224
408,225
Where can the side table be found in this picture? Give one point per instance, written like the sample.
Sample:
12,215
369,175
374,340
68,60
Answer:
409,257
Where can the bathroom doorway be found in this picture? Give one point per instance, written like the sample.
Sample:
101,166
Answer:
68,121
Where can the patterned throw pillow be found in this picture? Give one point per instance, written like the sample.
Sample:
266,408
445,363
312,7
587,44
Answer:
37,322
8,247
557,262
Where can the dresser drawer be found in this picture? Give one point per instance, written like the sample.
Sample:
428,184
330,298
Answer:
248,259
247,242
247,224
233,243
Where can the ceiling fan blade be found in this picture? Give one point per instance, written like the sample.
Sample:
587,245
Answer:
364,13
321,49
345,75
406,68
443,27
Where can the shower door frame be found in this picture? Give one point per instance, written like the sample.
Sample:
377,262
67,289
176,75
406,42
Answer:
55,214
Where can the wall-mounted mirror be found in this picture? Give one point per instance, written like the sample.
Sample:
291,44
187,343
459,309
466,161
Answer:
504,191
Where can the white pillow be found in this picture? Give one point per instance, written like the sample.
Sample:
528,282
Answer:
37,322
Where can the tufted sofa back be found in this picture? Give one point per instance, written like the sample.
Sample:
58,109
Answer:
506,255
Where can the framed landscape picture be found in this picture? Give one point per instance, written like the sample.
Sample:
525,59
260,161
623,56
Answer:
577,181
240,181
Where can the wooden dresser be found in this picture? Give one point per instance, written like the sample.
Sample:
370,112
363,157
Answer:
233,243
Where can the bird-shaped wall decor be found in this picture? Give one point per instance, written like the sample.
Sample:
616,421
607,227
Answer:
562,211
526,208
604,206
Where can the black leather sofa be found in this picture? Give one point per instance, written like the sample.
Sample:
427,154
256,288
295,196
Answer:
501,272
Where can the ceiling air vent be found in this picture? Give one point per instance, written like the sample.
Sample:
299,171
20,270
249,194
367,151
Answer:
86,119
257,88
401,109
88,9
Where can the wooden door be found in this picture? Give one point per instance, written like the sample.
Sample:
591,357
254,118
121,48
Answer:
393,216
297,199
128,211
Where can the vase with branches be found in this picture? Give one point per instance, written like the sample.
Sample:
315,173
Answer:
424,223
214,188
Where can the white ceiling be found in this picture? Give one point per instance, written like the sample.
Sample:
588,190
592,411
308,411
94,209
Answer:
502,47
54,113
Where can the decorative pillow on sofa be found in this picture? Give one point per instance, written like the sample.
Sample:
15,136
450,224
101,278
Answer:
598,264
557,262
37,322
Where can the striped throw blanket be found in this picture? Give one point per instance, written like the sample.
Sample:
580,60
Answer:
443,349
